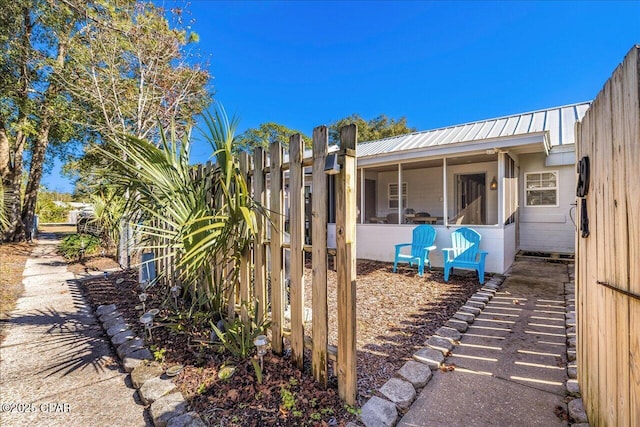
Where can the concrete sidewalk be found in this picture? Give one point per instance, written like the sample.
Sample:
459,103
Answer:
56,368
511,362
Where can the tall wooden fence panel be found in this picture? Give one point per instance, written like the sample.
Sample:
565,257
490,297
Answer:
262,274
608,254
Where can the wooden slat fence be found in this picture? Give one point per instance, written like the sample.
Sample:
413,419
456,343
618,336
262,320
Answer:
608,259
262,271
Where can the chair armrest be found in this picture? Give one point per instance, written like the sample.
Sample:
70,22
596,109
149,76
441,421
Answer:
430,248
483,255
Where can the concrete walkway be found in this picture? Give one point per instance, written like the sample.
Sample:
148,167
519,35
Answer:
511,363
56,369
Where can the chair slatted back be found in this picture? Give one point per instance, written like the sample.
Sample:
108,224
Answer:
423,236
466,244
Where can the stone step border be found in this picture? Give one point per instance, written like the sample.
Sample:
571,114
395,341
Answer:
167,407
400,392
575,406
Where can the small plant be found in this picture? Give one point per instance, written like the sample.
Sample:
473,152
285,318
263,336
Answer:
76,246
288,399
202,388
328,411
315,416
158,353
352,410
237,336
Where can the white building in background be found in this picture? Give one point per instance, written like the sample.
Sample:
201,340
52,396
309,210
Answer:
512,179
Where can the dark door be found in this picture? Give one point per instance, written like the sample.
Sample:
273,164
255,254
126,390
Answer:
370,199
470,198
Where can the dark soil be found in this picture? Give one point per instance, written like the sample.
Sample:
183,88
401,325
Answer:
396,313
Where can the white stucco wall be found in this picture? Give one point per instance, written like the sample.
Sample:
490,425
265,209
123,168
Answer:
376,241
548,229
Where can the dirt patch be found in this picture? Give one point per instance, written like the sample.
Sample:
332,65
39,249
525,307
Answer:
13,256
396,313
93,263
61,229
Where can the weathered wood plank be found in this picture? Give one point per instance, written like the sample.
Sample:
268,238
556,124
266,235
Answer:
259,250
346,267
277,230
620,249
296,223
631,149
608,339
319,320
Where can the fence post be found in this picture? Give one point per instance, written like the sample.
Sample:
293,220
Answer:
259,196
245,267
277,228
346,265
319,318
296,221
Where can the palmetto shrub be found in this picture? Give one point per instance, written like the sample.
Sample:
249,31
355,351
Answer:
202,221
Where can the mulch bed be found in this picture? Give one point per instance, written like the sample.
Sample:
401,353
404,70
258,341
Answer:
13,257
396,313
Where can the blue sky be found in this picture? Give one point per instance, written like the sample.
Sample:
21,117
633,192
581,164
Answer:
303,64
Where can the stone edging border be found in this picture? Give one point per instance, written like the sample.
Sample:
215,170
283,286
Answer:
167,406
401,391
575,406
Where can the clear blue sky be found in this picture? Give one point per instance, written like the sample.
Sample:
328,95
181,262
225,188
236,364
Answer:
304,64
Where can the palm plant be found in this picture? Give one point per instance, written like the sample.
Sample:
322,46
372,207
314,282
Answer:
108,209
201,220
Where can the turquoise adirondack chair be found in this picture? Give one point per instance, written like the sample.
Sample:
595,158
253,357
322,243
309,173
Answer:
422,243
465,253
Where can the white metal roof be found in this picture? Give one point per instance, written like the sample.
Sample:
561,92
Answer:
558,122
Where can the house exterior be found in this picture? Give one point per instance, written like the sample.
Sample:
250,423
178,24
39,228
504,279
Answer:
511,178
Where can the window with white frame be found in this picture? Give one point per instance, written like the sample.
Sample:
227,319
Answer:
541,188
393,195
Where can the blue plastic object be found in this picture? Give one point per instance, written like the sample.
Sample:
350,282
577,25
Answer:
465,253
423,238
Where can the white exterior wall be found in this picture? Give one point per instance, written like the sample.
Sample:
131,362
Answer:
424,188
548,229
376,242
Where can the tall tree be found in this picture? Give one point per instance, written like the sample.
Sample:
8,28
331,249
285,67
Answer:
34,38
266,134
370,130
137,72
76,71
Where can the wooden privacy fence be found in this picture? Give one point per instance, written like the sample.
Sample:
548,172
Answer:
262,270
608,251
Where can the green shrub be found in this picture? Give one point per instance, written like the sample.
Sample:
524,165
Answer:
76,246
48,211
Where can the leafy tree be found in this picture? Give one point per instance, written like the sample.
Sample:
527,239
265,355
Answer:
35,36
266,134
77,72
143,75
377,128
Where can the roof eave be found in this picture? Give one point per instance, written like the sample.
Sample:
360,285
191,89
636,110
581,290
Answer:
540,139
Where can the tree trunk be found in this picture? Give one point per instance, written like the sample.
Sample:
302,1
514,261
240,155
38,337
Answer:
11,181
38,152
